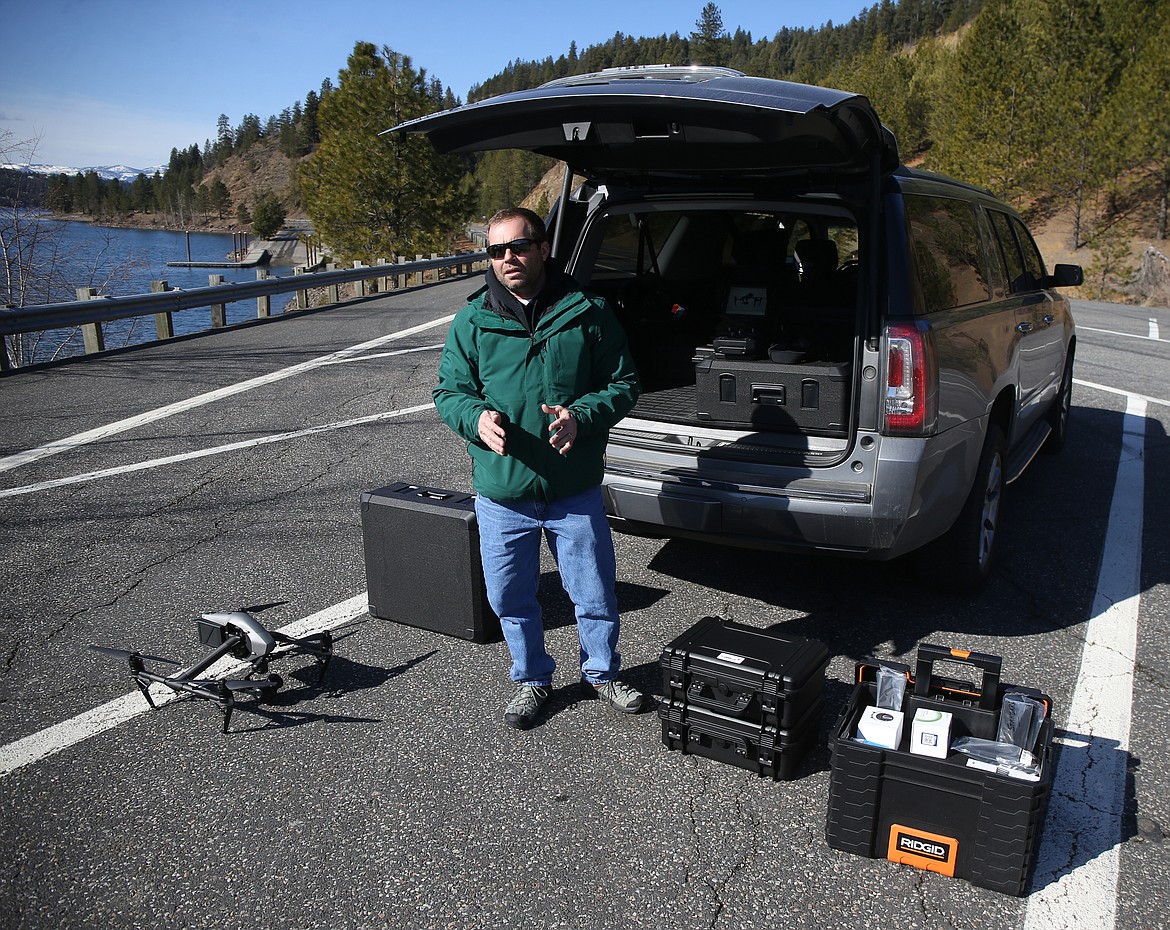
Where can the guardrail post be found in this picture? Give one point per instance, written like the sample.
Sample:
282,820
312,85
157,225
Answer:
302,295
383,282
264,301
422,275
333,291
164,323
5,363
405,281
91,333
361,285
218,311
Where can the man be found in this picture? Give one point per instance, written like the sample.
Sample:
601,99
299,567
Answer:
533,375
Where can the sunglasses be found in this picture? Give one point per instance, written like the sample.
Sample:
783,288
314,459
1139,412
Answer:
518,247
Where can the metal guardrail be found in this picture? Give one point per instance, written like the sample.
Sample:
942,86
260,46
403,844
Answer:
90,314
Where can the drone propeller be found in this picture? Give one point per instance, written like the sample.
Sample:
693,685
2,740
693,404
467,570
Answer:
256,608
127,654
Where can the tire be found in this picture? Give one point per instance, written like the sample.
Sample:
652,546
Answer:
959,561
1061,411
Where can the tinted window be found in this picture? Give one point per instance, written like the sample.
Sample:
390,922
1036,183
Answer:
628,240
1033,263
1006,241
952,269
1022,259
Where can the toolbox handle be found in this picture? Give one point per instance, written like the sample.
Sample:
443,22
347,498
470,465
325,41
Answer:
928,654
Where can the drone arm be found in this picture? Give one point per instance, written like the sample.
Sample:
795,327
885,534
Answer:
194,671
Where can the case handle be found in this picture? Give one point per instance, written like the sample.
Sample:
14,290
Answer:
719,697
990,665
429,493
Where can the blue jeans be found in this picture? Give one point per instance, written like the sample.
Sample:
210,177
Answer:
580,542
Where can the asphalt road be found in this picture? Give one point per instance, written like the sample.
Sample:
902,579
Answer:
391,795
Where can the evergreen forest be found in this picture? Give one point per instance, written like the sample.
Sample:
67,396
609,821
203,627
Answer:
1054,105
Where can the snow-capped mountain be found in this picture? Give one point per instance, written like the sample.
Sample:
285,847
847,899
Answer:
108,172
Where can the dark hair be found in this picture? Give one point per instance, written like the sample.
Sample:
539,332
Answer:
534,225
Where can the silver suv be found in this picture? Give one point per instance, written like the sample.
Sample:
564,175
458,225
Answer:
837,352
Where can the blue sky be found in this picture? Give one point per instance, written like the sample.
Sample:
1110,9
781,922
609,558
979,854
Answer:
106,82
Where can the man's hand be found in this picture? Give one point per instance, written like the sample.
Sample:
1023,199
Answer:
491,430
563,427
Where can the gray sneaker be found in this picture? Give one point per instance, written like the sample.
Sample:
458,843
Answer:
621,697
525,705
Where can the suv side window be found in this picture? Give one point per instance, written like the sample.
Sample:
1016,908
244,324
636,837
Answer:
628,239
952,268
1033,263
1006,242
1022,259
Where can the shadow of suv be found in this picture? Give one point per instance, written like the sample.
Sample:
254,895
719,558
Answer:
837,352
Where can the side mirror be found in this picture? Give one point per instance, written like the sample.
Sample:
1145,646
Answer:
1066,276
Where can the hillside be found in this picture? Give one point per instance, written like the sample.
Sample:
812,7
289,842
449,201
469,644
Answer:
261,168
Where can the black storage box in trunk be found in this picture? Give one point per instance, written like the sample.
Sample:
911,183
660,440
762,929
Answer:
809,396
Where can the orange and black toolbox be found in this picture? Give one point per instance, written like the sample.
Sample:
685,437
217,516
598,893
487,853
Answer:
940,814
743,695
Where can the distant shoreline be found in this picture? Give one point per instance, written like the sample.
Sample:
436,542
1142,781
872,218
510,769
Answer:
159,221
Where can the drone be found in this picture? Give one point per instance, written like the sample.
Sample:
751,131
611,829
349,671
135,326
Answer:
233,633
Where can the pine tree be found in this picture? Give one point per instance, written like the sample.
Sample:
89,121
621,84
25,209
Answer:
1136,116
371,195
710,42
267,216
988,120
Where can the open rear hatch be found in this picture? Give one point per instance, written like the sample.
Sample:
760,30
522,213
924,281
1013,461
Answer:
673,122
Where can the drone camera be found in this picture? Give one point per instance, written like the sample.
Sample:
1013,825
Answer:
210,634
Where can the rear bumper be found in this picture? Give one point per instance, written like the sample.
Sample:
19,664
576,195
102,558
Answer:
889,496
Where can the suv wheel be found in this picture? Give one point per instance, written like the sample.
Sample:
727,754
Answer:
1058,416
960,560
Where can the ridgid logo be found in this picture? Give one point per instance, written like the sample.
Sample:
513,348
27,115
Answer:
924,850
920,847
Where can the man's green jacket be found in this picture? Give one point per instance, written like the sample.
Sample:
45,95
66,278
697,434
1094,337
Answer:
577,357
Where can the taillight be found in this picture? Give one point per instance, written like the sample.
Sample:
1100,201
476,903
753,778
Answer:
909,380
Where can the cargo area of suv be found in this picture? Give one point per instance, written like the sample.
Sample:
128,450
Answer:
742,316
836,352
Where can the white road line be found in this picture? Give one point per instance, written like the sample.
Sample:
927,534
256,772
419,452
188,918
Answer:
1145,398
1112,332
1079,858
150,416
59,736
213,450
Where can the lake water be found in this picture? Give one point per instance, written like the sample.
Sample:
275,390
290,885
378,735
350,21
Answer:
121,262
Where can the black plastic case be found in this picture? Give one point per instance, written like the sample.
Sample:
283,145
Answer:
744,672
939,814
766,750
743,695
812,396
422,561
